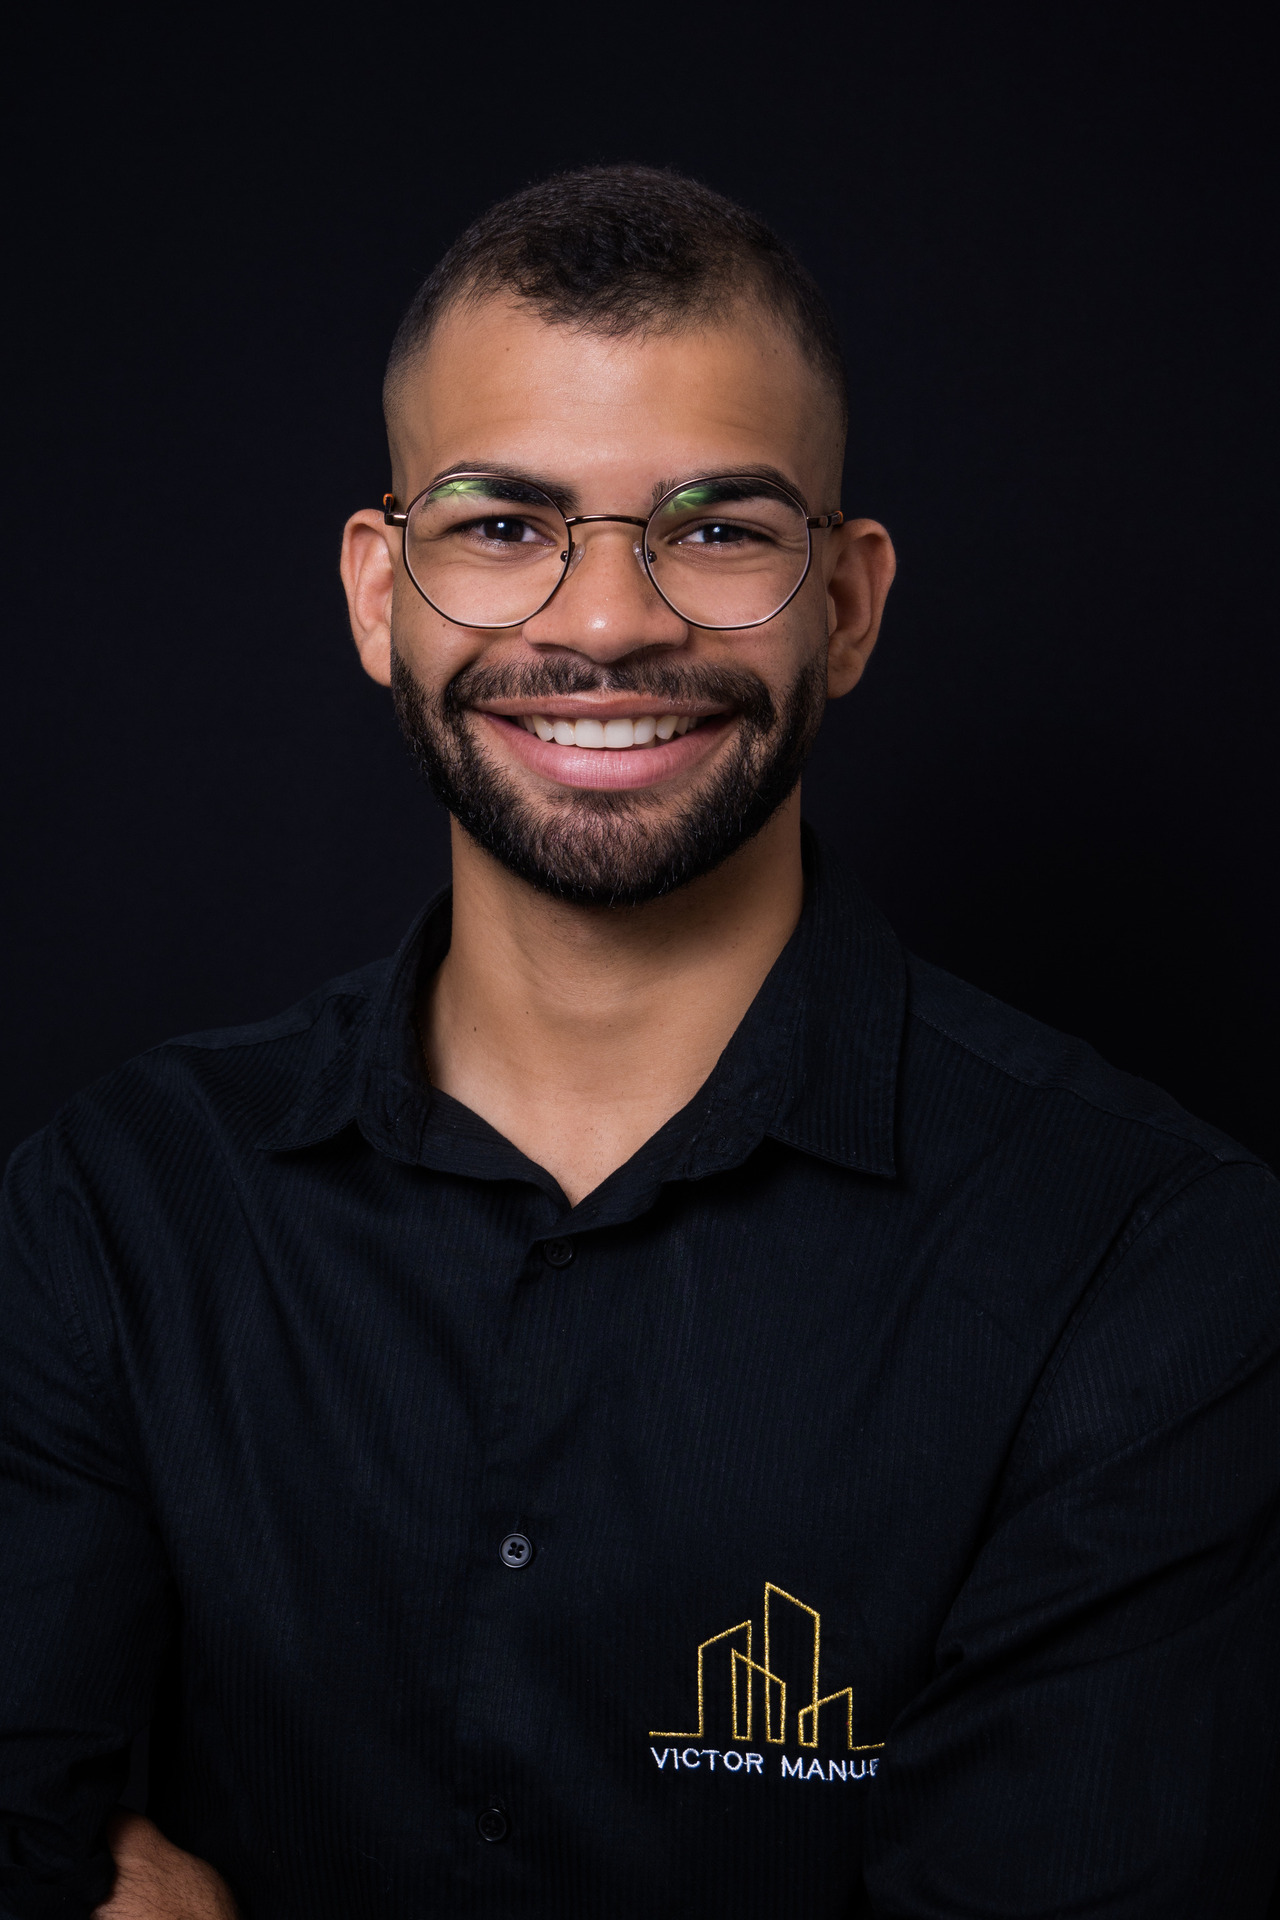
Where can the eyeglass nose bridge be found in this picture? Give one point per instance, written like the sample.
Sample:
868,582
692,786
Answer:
576,550
624,519
618,519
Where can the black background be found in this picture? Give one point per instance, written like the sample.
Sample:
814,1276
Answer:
1048,235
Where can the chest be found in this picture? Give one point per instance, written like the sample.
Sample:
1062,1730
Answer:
739,1393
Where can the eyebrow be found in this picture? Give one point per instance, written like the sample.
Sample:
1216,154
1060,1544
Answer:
567,498
754,472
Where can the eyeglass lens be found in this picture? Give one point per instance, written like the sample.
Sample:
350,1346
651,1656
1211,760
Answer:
489,551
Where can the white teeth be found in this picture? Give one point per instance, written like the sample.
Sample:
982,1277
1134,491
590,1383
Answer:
609,733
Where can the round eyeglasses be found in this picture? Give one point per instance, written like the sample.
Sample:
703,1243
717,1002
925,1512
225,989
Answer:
489,550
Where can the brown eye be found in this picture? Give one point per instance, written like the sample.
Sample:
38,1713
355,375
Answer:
511,531
720,533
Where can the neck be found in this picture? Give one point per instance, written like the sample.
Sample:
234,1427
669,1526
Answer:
578,1031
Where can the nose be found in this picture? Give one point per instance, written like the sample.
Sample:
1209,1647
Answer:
606,606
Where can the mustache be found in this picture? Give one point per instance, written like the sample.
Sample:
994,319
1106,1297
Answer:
657,679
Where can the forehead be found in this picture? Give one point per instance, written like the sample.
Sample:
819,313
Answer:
499,386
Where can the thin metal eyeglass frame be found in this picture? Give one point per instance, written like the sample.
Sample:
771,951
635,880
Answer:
395,516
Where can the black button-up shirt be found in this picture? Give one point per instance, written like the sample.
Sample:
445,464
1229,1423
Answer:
866,1500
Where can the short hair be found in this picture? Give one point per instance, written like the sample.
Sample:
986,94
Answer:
625,250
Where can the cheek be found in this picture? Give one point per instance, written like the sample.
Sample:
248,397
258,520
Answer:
430,646
782,652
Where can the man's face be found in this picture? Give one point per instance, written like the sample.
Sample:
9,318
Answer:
607,427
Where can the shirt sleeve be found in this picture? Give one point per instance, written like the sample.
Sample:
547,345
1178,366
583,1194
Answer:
1100,1734
84,1593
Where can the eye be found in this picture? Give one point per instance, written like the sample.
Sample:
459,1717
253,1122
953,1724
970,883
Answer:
719,533
504,531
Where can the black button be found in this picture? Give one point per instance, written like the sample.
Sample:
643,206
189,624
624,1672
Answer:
557,1253
492,1824
516,1550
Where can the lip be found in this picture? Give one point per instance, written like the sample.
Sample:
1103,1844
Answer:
600,706
612,769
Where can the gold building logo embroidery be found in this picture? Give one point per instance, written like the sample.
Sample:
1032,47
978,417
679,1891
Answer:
766,1690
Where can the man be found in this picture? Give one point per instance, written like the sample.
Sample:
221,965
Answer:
648,1402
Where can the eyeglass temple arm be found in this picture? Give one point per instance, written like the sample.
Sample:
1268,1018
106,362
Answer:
391,513
826,520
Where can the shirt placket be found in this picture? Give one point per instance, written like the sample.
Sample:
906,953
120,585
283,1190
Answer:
512,1537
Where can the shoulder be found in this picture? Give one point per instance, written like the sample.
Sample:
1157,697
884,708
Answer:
954,1027
1160,1235
345,994
1049,1161
207,1093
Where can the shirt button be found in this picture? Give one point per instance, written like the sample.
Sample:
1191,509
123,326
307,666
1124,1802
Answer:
516,1550
492,1824
557,1253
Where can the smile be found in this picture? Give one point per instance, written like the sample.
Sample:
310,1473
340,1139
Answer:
620,733
617,751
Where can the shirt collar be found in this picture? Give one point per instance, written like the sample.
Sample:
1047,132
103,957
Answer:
814,1063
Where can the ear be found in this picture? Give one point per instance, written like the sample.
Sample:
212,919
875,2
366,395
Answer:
860,566
368,569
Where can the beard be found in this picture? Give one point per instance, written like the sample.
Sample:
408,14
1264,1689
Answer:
607,848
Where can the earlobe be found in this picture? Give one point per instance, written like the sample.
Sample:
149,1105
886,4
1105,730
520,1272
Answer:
368,574
845,662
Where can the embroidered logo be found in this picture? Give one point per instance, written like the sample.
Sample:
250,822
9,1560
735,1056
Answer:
781,1691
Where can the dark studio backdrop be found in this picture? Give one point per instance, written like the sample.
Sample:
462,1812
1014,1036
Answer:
1048,237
